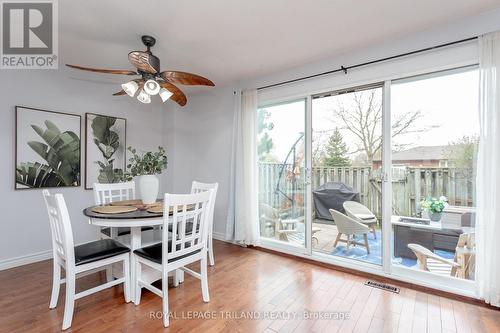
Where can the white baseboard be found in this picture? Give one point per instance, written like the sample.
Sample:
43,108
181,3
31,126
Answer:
24,260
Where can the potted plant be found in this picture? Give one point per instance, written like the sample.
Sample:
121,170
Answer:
434,207
146,167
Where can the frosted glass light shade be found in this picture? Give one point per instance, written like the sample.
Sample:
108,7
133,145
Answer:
165,94
144,97
151,87
130,88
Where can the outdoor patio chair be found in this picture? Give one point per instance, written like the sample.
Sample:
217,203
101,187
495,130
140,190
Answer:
362,214
350,227
285,229
462,264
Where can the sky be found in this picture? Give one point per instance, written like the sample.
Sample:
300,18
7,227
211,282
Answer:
448,105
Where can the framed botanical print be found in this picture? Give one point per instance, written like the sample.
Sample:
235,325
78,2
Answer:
47,149
105,149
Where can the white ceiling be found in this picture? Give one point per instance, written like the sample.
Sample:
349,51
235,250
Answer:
227,40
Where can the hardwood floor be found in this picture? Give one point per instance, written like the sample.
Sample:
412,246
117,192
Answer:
243,283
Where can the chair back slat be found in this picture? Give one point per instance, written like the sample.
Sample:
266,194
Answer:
186,209
197,187
60,226
106,193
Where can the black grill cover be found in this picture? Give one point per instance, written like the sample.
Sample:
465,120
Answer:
332,195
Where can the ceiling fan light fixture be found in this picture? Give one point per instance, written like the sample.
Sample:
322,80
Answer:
165,94
130,88
152,78
144,97
152,87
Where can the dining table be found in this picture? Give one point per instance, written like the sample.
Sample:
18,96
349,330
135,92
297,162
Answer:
135,220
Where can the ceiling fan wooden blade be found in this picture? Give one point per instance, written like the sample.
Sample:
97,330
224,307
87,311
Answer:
188,79
106,71
122,92
144,61
178,96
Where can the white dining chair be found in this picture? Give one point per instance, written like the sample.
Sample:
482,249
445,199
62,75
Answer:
81,259
179,250
107,193
197,187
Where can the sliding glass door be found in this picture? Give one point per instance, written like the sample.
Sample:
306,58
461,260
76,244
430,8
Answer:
378,177
281,152
346,174
435,133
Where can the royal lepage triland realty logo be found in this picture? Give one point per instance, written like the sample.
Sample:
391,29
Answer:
29,35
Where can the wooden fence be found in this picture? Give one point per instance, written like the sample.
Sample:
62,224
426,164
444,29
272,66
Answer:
409,185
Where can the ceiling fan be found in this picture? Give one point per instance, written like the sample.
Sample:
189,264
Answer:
152,81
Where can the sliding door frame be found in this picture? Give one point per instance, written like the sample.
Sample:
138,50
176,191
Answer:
281,246
388,270
340,260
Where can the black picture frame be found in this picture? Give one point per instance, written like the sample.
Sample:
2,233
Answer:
18,110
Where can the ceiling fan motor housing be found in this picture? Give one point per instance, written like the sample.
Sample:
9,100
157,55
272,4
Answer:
149,41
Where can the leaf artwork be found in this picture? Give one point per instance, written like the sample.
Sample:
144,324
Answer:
108,142
61,151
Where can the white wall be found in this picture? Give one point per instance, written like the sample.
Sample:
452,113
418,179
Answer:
24,229
203,132
203,129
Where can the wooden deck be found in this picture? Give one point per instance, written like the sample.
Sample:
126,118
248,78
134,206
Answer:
326,237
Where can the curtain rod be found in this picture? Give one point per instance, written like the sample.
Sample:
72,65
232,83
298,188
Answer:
345,69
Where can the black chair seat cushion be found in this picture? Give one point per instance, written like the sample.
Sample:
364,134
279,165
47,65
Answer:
97,250
154,253
122,231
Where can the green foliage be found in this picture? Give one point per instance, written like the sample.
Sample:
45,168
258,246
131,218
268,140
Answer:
36,175
108,143
150,163
433,205
336,151
61,151
265,144
462,153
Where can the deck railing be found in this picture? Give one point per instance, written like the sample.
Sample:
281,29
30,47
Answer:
409,185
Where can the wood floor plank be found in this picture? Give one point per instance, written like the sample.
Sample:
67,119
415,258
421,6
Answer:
447,315
433,314
407,311
244,281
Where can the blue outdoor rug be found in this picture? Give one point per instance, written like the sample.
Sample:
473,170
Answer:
375,257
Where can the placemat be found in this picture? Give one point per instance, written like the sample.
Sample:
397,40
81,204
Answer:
114,209
126,203
157,209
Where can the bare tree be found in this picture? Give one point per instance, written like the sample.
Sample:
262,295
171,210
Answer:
363,118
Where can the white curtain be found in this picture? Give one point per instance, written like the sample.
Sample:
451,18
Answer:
242,226
488,172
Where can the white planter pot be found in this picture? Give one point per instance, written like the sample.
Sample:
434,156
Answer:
149,185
